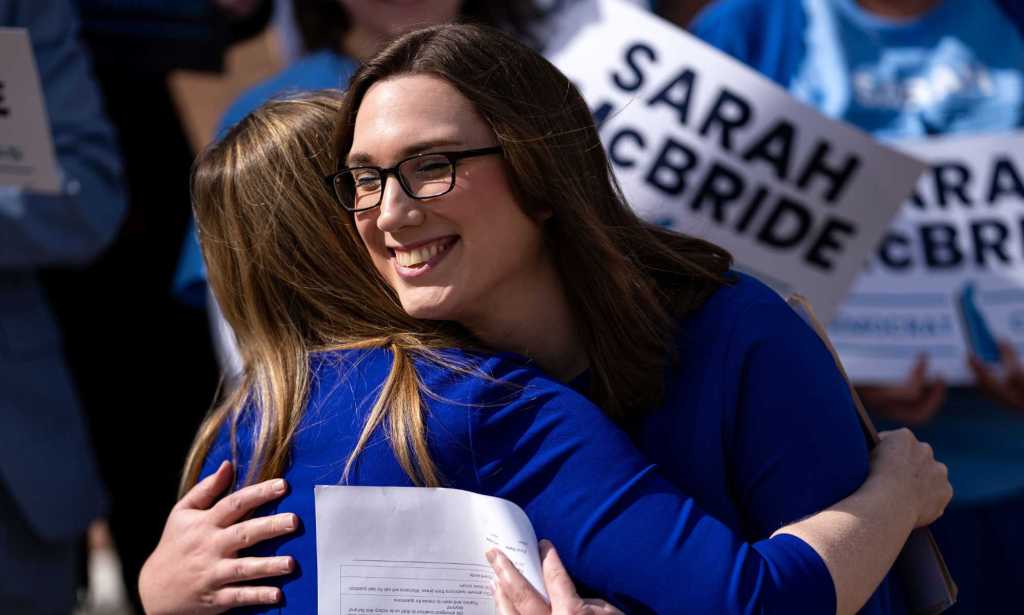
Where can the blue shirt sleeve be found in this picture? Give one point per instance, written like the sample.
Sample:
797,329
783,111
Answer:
38,230
624,531
798,444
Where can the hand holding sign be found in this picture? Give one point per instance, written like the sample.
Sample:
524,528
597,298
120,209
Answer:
1004,384
913,402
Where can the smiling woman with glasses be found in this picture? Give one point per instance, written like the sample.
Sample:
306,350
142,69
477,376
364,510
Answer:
505,324
423,176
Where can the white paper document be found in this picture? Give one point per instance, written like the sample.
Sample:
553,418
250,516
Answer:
27,158
415,551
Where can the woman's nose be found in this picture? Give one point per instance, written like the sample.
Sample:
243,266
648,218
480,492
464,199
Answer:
397,209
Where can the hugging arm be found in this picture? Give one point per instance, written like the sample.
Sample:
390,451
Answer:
196,568
629,535
798,448
624,531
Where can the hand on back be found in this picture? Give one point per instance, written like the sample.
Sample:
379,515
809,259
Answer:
195,569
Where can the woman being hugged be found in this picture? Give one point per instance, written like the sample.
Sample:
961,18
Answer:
475,213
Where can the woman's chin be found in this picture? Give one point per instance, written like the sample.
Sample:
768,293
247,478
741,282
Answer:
427,310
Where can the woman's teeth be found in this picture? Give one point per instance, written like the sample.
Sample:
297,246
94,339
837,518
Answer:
420,255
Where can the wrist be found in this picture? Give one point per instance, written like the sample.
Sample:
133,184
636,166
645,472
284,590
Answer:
903,507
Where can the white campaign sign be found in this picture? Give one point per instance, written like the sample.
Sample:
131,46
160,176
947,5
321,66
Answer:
26,148
949,275
706,146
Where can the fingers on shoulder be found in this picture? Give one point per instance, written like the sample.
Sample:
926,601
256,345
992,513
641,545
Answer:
240,503
203,494
253,531
251,568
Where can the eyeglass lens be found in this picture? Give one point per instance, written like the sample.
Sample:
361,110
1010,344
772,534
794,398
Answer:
421,177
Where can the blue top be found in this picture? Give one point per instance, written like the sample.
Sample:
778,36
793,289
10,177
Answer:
316,71
757,426
955,69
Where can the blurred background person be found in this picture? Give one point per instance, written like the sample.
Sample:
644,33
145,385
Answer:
136,354
837,55
50,488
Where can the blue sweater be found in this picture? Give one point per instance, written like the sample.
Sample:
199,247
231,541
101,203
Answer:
757,430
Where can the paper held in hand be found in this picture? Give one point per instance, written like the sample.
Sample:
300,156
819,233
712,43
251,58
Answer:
415,551
26,148
704,145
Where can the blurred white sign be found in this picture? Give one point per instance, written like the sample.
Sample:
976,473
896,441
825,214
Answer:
948,277
26,147
706,146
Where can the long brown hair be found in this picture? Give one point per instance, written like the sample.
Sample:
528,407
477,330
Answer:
292,278
627,281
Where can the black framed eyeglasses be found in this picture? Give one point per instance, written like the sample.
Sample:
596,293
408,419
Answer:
423,176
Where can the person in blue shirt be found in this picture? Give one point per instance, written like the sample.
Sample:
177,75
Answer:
50,488
502,230
912,69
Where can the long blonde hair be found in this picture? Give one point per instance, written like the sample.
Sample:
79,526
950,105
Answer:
292,277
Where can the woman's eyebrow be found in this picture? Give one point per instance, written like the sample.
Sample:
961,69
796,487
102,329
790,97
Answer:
357,158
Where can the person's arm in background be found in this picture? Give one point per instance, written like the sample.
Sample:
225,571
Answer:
1003,384
913,402
39,230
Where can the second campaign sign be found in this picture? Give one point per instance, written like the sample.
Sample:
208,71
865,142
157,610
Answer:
704,145
948,277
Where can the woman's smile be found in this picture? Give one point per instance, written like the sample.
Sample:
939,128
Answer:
469,251
421,258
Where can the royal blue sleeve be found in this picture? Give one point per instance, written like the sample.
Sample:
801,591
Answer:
623,531
798,446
